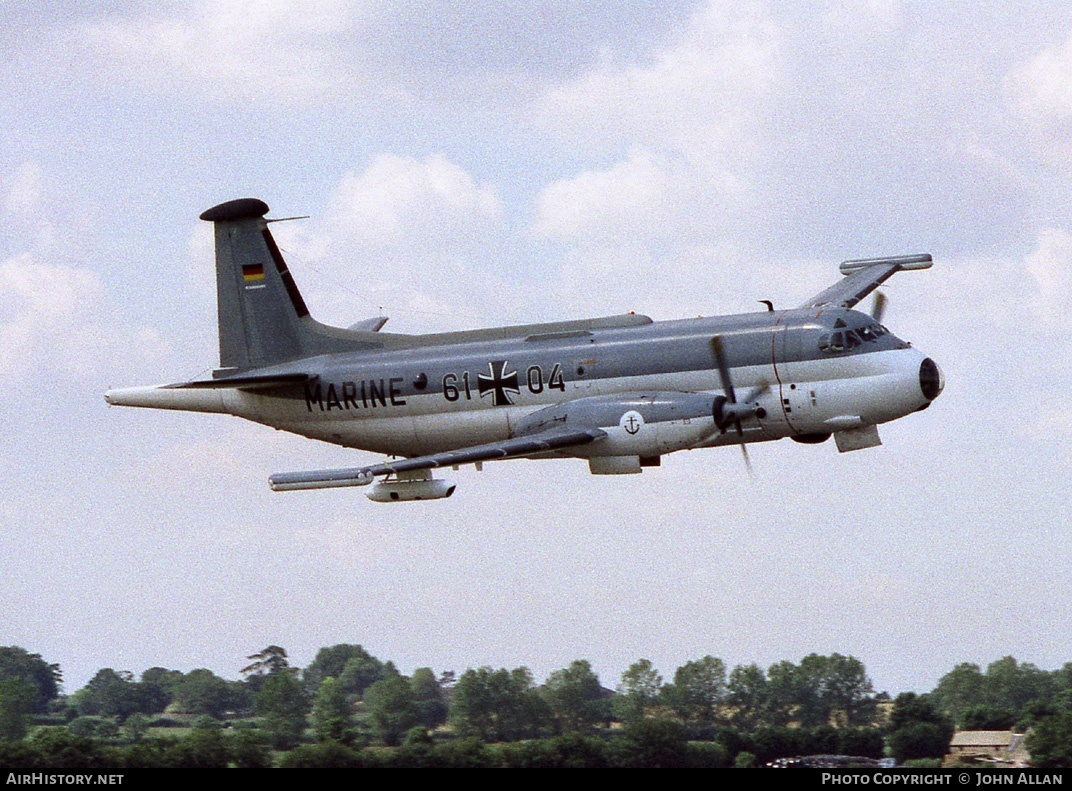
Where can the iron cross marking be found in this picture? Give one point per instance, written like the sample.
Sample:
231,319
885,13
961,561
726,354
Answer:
499,383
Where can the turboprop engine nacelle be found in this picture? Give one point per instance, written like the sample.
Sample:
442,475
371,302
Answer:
642,424
405,491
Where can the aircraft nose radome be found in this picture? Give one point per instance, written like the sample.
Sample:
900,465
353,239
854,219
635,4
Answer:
931,379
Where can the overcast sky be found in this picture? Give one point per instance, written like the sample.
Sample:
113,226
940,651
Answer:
483,163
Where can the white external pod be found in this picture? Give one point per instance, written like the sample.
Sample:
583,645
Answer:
408,491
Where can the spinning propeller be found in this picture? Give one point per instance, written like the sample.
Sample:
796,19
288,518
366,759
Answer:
727,410
878,307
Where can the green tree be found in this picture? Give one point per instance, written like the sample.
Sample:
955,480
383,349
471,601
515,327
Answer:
747,696
428,697
699,692
959,690
834,688
332,714
867,742
1050,743
496,705
778,741
576,698
249,748
204,747
987,718
323,755
45,679
158,688
391,708
17,699
58,748
917,728
282,704
355,668
269,662
94,727
744,760
783,694
638,692
110,693
361,672
136,727
566,751
203,692
919,740
652,743
1011,685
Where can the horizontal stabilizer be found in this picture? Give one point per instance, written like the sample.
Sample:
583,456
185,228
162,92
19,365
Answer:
905,262
509,448
864,275
375,324
245,382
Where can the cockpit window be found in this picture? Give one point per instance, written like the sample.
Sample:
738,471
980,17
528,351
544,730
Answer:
842,340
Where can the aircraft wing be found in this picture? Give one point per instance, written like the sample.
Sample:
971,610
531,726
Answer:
541,442
862,276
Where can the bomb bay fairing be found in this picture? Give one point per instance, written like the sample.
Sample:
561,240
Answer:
618,391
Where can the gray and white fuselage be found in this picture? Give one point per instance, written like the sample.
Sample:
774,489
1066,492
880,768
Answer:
620,391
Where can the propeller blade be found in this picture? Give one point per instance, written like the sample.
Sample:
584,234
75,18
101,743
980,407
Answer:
755,393
731,396
878,307
723,369
747,460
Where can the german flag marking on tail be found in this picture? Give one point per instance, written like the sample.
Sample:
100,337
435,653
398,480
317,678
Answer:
251,273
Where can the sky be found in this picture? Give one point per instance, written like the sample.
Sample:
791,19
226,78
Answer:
486,163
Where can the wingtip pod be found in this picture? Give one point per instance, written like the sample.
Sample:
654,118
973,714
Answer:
326,479
904,262
240,209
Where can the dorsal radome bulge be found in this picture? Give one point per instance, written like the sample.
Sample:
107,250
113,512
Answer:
240,209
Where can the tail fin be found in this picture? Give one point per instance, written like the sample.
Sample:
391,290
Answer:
263,319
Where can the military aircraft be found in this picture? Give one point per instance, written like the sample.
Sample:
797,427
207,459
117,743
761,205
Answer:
619,391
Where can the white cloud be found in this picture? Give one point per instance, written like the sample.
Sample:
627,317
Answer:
400,198
1050,264
690,115
1041,90
43,312
414,238
234,50
1056,420
1043,85
696,97
1027,296
24,195
51,319
202,255
863,17
631,196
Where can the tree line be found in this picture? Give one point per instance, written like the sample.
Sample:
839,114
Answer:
351,708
